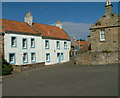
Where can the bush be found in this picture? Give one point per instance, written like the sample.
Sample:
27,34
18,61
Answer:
6,68
106,51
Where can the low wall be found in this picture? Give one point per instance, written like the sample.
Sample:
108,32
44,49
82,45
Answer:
19,68
97,58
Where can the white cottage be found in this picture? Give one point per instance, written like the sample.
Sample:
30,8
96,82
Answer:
30,43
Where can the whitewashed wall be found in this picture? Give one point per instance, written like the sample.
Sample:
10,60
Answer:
18,51
53,51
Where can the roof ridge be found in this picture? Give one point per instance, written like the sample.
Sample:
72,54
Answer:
12,20
33,22
46,24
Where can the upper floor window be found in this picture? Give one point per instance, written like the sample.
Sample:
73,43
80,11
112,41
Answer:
33,58
102,35
32,43
65,45
25,57
48,57
12,58
13,42
46,44
24,43
58,45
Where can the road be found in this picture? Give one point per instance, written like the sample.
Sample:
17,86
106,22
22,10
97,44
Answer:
64,80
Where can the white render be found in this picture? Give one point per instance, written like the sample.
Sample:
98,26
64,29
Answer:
53,51
39,49
19,51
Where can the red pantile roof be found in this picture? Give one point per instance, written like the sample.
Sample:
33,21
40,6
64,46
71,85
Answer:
51,31
82,42
16,26
45,30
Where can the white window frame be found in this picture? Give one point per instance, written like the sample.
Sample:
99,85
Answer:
102,35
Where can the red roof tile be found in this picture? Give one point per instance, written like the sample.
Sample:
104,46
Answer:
16,26
45,30
82,42
51,31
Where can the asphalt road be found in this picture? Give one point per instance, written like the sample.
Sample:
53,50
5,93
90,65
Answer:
64,80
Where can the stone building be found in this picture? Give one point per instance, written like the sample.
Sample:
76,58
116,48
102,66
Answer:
104,33
104,40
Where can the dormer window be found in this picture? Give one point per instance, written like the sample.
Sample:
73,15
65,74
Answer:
102,35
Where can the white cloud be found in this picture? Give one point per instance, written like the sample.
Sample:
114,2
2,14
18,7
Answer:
78,30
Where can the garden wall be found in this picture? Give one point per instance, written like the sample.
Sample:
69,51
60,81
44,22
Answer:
97,58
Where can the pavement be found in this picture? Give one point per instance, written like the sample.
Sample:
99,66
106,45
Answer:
64,80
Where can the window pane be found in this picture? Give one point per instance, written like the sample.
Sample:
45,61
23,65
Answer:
46,44
24,43
65,44
102,35
32,42
62,56
13,41
58,44
47,57
25,57
12,57
33,56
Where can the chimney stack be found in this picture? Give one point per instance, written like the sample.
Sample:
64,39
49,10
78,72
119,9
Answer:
108,8
59,24
28,18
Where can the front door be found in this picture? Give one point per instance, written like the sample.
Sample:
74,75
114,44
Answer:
58,57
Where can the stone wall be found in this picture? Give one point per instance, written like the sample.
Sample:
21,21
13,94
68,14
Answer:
19,68
111,42
97,58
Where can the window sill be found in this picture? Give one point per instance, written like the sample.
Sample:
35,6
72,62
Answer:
103,41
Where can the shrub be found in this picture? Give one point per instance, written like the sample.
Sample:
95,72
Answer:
106,51
6,68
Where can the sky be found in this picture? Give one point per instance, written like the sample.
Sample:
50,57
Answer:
76,17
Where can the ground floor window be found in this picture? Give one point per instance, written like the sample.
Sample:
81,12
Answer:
47,57
12,58
33,57
62,56
25,58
